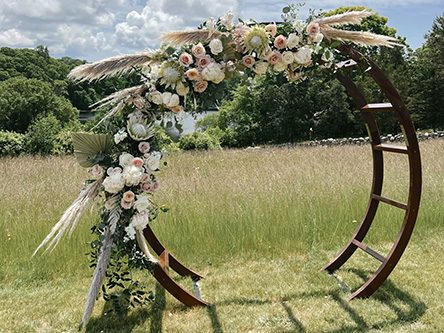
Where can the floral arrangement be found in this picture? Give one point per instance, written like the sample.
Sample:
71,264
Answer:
185,71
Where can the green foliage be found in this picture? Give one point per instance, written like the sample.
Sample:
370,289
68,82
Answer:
42,135
11,143
199,141
23,100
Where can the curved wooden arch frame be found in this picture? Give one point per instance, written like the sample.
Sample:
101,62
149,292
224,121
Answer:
396,105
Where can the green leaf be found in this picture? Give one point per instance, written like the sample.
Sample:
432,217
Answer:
286,10
335,44
169,124
170,50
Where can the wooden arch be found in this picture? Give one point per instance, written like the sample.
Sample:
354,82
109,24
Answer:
411,149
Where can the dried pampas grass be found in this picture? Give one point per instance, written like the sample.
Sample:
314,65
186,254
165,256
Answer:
71,216
111,66
102,262
359,37
353,17
179,38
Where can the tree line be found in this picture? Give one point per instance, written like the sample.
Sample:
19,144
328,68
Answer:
39,105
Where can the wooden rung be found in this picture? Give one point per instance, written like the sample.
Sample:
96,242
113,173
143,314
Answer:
377,107
346,64
164,261
365,248
390,201
392,148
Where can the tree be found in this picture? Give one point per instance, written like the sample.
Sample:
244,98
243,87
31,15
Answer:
22,100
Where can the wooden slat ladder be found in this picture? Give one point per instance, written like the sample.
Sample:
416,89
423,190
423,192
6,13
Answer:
411,149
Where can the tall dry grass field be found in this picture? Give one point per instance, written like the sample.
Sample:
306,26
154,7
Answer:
251,212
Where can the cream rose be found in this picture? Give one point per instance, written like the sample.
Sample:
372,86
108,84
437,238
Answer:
213,73
287,57
216,46
144,147
303,56
192,74
200,86
248,61
182,90
274,57
140,220
280,42
125,159
260,67
142,203
155,97
186,59
313,29
132,175
198,50
271,29
153,162
280,67
170,100
318,38
114,183
292,41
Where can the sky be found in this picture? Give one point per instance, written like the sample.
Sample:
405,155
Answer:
95,29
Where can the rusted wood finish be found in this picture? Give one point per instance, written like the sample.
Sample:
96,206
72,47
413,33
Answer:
397,106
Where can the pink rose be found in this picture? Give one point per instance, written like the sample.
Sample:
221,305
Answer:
240,30
203,62
126,204
138,162
313,29
128,200
248,61
192,74
280,42
198,50
155,186
144,147
186,59
145,178
271,29
200,86
274,57
146,187
139,102
97,171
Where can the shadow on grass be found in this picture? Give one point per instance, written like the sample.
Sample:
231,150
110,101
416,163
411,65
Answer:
406,308
215,323
126,323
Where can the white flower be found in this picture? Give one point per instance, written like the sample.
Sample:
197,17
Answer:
132,175
120,136
153,161
170,100
299,26
303,56
260,67
182,90
211,24
318,38
125,159
280,67
214,73
140,220
141,203
130,233
227,20
114,183
156,97
216,46
287,57
292,41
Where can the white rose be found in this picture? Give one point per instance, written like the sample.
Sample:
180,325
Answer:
182,90
318,38
303,56
292,41
260,67
170,100
287,57
153,162
280,67
140,220
125,159
214,73
114,183
155,97
141,203
132,175
216,46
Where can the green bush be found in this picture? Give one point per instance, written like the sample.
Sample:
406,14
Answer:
42,135
11,143
199,141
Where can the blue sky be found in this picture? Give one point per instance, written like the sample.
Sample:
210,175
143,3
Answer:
96,29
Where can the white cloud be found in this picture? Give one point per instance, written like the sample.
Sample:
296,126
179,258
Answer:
14,37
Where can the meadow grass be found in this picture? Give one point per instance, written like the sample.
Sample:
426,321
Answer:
258,224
